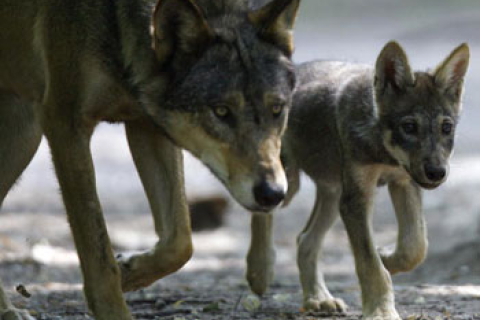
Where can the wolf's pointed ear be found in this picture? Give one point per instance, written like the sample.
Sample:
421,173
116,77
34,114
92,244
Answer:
179,25
275,22
450,74
392,70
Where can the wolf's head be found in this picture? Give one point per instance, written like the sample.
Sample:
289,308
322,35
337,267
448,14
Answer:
230,81
419,111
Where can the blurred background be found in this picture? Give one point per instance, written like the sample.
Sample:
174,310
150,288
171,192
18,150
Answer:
33,225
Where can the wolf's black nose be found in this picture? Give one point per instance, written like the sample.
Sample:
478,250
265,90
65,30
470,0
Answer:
268,194
435,173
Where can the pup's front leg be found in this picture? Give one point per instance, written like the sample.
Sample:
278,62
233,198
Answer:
261,255
74,168
412,242
160,166
316,295
359,184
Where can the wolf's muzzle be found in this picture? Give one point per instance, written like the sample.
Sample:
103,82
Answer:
268,194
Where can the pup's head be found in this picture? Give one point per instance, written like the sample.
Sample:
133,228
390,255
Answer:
419,111
230,81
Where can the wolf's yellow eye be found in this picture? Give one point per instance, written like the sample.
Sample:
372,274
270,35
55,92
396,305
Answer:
277,109
221,111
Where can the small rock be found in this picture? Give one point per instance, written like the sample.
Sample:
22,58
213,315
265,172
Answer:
420,300
282,297
251,303
178,304
464,269
23,291
160,304
212,307
208,213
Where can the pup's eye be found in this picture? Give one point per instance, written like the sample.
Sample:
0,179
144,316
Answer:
221,112
447,128
277,109
410,128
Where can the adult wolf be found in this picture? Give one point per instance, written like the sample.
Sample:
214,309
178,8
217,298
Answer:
352,128
213,77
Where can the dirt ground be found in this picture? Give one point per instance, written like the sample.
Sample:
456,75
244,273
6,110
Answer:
36,250
212,296
38,253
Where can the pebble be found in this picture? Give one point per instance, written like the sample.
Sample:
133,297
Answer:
251,303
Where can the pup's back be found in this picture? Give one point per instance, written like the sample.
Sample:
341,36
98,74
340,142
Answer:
311,142
398,129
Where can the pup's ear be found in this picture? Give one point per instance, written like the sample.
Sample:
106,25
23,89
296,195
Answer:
450,74
275,22
392,70
179,26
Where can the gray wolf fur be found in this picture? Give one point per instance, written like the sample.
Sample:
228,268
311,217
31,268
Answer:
213,77
353,128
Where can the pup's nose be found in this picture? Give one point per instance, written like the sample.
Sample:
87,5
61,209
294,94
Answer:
268,194
435,173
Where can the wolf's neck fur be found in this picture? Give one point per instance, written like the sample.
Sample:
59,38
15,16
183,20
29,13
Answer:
138,58
135,32
217,8
357,116
135,37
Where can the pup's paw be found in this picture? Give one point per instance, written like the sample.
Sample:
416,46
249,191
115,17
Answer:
329,305
15,314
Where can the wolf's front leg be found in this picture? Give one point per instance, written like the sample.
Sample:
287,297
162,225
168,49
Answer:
356,208
160,166
412,240
20,136
261,255
74,168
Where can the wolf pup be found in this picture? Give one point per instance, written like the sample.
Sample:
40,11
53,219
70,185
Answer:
353,128
213,77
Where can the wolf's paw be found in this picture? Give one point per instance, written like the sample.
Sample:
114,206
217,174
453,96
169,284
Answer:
142,269
389,259
133,278
400,261
329,305
386,251
260,273
15,314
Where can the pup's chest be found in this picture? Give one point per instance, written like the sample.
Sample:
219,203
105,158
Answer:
389,174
